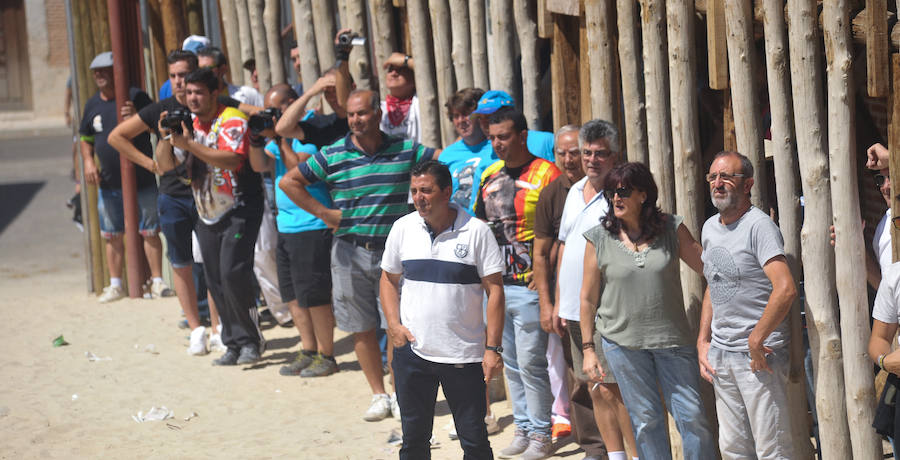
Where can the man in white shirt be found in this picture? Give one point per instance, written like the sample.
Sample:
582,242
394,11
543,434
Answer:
447,260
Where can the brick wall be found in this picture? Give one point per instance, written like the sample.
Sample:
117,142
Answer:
57,34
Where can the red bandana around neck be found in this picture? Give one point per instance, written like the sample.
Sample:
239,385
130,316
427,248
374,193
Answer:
397,109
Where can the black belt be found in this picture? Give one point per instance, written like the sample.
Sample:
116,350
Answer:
366,244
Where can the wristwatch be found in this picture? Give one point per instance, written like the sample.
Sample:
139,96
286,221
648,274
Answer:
498,349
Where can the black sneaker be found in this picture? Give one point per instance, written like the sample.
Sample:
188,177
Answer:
230,358
249,355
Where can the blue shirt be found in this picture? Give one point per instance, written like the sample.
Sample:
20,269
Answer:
165,90
292,219
540,144
466,164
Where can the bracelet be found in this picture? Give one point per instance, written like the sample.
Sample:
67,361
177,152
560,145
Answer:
881,361
586,345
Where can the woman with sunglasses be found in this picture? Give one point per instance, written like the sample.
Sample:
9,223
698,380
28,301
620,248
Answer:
631,277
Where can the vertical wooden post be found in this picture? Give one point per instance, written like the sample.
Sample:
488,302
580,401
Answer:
849,246
306,43
271,16
174,26
245,37
601,58
584,72
525,15
632,84
360,63
878,82
193,10
894,149
425,85
232,39
818,255
544,20
716,48
788,192
480,75
443,65
383,39
323,22
741,56
502,77
564,71
656,81
461,53
260,44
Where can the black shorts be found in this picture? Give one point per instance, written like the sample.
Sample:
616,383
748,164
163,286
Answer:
304,267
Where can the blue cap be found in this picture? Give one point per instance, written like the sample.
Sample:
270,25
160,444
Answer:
102,60
493,100
194,43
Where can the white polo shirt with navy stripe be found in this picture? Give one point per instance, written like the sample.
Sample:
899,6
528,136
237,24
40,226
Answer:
441,298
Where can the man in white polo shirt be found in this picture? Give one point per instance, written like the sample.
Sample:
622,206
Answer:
447,260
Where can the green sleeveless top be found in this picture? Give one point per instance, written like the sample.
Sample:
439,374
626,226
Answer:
641,304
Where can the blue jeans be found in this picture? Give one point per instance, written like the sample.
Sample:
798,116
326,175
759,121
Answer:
111,212
641,375
177,219
417,382
525,360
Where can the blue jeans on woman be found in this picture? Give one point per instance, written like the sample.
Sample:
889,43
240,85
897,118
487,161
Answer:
641,374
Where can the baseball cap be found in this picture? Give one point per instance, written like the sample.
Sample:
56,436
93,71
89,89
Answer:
102,60
194,43
493,100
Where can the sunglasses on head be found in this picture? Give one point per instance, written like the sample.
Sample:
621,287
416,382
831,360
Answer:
623,192
879,180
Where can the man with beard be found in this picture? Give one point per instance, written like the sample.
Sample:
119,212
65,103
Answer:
744,317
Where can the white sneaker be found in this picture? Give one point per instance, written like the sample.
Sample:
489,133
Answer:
395,406
160,289
379,409
215,343
491,423
198,346
111,294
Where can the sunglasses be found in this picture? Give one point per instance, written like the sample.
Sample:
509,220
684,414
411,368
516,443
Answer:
879,180
711,177
623,192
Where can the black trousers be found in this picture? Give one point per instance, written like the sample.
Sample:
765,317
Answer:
416,381
227,249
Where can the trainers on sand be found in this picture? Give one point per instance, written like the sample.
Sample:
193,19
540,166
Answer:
216,344
395,406
111,294
517,446
538,447
198,346
560,430
320,367
228,359
491,424
303,360
160,289
249,354
379,409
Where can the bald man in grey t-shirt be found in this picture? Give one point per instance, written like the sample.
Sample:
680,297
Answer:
743,338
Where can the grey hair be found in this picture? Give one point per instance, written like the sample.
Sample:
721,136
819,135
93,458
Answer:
564,130
746,165
376,99
597,129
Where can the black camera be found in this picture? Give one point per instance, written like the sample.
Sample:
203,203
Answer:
264,120
350,39
174,118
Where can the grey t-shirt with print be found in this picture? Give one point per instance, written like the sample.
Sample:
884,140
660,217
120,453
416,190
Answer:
733,260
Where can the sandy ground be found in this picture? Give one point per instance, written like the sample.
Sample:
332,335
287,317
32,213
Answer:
58,404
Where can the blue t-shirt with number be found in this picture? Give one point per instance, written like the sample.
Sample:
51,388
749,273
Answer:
466,164
291,218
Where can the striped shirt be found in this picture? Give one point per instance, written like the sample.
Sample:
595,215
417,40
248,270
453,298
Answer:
370,190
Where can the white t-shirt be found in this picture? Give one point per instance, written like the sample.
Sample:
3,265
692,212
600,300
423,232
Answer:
441,296
409,128
577,218
246,94
887,301
881,241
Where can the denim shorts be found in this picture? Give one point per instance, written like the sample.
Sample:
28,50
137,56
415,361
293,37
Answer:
177,218
112,214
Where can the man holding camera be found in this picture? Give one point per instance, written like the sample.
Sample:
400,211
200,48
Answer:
304,241
228,196
97,122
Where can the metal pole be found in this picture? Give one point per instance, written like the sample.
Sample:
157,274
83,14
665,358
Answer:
133,241
76,121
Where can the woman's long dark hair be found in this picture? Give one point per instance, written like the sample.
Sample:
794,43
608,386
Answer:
638,177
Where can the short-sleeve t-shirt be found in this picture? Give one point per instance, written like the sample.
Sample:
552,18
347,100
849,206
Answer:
467,163
370,190
441,297
733,260
577,218
887,301
549,210
881,241
641,306
99,118
507,201
216,190
291,218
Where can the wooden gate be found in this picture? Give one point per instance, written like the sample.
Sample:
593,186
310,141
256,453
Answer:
15,77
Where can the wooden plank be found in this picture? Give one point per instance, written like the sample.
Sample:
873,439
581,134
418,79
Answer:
568,7
545,20
656,81
894,149
877,56
564,71
635,126
716,47
584,72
